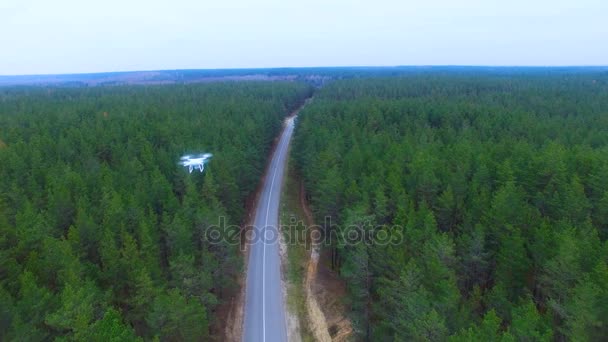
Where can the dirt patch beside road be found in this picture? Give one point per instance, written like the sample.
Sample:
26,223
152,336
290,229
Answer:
324,289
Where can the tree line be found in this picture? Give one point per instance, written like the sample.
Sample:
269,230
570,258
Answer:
498,186
102,233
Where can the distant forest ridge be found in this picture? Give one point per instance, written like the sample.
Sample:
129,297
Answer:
315,75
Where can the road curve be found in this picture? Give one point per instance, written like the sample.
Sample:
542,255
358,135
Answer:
264,302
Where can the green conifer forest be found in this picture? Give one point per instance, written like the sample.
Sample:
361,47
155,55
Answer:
101,231
493,188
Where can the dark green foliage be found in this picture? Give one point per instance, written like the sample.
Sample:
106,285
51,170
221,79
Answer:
101,231
498,184
177,317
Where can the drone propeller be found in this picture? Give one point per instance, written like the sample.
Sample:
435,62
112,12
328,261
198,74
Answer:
201,156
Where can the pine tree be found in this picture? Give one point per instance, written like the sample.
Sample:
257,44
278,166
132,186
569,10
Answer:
529,325
110,328
177,317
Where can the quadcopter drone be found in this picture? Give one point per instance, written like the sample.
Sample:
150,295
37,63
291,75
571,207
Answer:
195,162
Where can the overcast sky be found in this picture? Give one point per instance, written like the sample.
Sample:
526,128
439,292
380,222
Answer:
74,36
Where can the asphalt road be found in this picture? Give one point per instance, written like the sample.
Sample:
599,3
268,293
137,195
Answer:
264,303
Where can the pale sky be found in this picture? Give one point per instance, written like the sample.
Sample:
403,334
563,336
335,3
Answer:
75,36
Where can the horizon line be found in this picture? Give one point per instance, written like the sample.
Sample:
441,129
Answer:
503,66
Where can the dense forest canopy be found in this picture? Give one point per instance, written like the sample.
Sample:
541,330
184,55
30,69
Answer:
498,186
101,232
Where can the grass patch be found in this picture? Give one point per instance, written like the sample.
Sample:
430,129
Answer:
297,254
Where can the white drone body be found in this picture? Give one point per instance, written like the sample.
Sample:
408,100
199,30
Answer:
195,162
